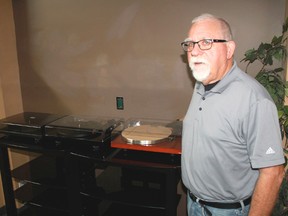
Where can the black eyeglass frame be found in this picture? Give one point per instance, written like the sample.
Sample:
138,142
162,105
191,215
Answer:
197,42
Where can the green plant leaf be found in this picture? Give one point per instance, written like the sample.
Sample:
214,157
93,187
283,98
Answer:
250,56
276,40
277,70
285,109
268,60
286,92
279,53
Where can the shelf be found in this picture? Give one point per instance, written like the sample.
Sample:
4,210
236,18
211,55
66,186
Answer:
43,197
117,209
29,210
32,145
42,170
155,157
169,146
146,198
151,160
136,188
91,151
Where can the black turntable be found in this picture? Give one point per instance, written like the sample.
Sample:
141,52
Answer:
87,134
27,125
75,133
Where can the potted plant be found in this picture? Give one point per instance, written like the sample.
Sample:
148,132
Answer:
273,79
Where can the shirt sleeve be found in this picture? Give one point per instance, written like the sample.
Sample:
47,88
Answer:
263,136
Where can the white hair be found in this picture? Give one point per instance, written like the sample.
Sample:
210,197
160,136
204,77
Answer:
224,24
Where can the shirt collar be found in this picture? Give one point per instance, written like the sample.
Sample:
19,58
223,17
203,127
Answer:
222,84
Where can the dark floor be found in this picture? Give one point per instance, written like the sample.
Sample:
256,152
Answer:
2,211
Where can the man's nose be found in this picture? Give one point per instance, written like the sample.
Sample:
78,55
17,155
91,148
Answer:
195,50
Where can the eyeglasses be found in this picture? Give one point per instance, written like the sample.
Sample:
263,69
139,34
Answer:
204,44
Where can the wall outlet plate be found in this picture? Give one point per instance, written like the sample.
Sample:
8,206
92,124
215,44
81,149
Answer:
120,103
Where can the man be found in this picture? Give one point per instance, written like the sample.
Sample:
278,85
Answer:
232,158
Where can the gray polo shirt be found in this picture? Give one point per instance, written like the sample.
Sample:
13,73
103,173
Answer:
228,133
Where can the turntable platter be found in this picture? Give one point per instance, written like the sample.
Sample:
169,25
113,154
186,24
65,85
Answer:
146,134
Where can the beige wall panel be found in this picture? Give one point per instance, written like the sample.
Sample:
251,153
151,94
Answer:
78,56
10,91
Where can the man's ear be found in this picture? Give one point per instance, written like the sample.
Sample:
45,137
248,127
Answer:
230,49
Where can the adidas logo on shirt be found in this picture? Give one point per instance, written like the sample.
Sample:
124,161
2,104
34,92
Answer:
270,151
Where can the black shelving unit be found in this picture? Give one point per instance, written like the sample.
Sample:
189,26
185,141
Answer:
134,183
66,181
43,184
47,181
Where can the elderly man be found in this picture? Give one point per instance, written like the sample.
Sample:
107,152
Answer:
232,157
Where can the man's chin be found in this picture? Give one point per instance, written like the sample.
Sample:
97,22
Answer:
200,78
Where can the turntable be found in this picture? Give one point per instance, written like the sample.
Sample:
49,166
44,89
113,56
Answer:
85,133
150,132
27,124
